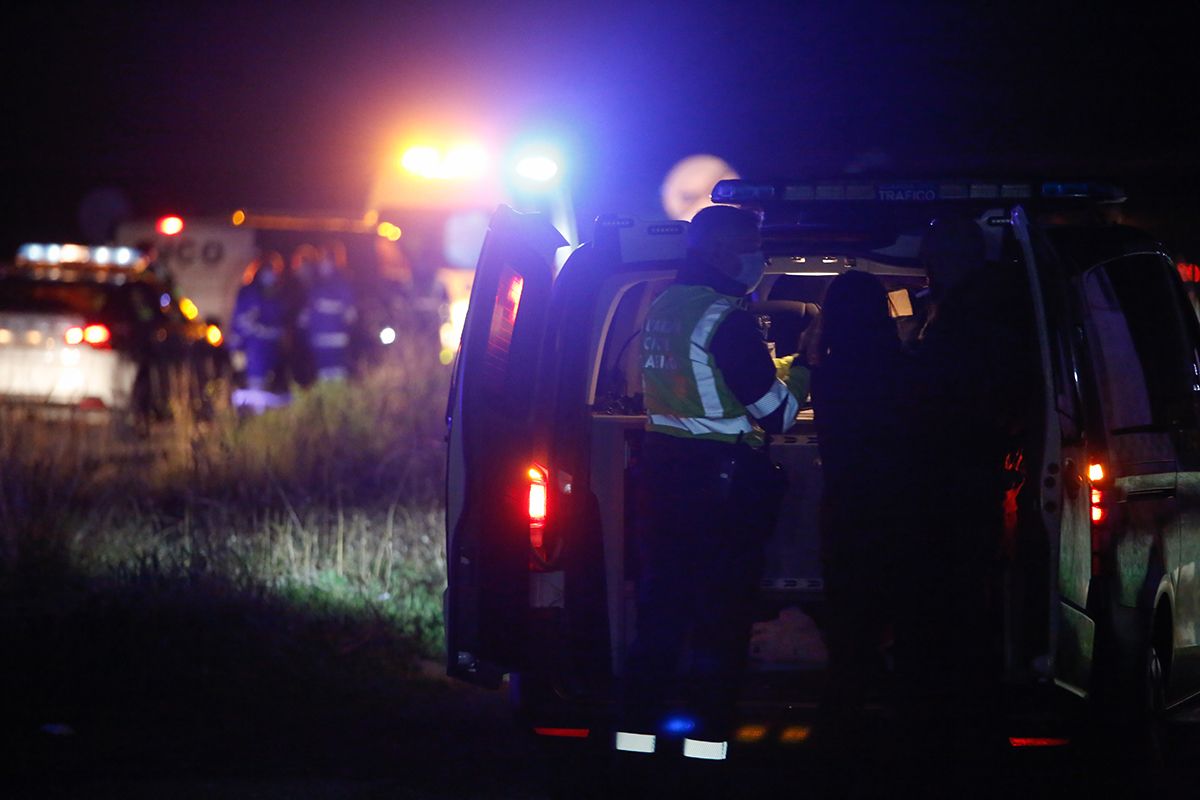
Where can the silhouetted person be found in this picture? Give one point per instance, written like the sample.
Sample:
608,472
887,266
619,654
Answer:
860,406
972,377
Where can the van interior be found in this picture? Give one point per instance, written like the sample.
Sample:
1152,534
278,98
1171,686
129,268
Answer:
786,639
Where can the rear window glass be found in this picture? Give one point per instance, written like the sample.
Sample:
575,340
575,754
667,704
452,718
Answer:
1147,362
138,301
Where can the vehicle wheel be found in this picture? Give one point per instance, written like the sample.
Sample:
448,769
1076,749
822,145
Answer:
1152,724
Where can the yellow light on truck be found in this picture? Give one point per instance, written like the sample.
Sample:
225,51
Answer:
388,231
188,308
213,336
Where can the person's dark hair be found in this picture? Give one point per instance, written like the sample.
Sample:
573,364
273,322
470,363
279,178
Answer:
952,249
713,220
856,317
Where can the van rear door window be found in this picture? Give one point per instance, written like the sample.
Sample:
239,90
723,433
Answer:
1145,360
500,331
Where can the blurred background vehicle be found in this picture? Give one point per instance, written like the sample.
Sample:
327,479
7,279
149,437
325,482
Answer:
409,254
94,329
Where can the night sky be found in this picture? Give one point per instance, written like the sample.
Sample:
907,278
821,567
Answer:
202,108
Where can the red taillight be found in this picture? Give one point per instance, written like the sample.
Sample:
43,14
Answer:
1037,741
566,733
96,335
1096,496
537,507
169,225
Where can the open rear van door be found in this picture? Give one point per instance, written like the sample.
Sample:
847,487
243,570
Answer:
491,430
1063,649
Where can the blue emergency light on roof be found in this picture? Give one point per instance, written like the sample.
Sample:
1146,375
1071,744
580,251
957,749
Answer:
679,724
739,191
745,192
1084,190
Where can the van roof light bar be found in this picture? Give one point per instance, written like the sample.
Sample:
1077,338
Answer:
739,192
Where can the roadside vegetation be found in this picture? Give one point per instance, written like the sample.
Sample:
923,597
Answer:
234,558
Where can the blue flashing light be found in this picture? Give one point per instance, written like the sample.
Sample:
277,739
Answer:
679,725
740,191
1087,190
164,299
538,168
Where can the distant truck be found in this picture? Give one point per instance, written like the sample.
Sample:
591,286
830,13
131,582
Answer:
415,276
206,258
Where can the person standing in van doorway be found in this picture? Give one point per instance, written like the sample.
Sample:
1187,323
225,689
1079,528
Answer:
860,391
707,494
973,383
329,315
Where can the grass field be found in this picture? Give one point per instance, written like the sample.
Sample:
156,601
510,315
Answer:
230,558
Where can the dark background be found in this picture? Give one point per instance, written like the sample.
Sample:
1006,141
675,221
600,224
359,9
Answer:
206,107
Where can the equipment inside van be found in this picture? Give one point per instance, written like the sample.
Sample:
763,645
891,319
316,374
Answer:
1099,590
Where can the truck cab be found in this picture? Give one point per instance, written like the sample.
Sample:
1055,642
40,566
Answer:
545,422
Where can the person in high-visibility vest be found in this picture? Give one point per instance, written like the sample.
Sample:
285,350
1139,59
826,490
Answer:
707,493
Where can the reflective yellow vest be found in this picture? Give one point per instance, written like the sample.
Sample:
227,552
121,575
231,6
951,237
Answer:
685,394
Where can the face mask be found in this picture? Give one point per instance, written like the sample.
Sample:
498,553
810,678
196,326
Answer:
752,268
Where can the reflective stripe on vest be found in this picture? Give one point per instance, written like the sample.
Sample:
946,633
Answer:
684,392
776,396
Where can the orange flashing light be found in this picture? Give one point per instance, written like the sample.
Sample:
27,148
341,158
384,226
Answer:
749,734
213,335
1095,472
794,734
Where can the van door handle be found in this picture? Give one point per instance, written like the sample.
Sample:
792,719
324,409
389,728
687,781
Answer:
1071,478
1161,493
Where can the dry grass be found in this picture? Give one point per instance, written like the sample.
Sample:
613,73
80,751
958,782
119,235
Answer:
332,501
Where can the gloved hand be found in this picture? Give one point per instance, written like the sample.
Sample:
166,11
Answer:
799,381
783,366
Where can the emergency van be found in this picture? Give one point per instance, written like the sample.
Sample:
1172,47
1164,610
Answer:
1100,593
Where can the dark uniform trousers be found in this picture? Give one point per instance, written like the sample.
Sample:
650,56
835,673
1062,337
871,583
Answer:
704,511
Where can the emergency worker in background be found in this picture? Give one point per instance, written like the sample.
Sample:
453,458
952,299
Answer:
301,277
868,510
260,324
328,317
973,384
707,493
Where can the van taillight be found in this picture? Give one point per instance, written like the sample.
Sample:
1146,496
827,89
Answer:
537,508
1097,494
